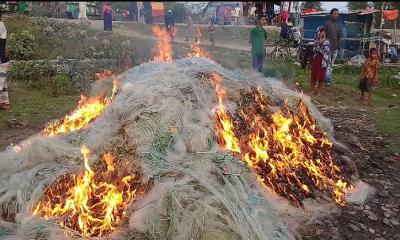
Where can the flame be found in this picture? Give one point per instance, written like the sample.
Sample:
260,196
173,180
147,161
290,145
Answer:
87,202
229,140
164,48
104,74
196,51
284,148
88,109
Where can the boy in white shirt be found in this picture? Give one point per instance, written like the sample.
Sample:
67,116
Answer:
237,13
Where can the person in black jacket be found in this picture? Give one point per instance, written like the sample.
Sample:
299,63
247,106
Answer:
147,11
333,30
170,24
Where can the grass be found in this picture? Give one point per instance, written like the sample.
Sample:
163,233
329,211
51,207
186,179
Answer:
30,106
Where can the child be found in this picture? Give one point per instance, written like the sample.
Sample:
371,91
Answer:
4,102
369,75
320,61
198,36
211,30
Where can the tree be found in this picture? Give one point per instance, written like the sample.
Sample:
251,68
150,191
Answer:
179,11
316,5
357,5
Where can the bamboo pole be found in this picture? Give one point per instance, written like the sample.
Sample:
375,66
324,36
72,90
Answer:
395,26
380,30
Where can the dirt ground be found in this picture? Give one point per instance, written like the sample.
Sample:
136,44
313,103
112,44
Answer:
377,165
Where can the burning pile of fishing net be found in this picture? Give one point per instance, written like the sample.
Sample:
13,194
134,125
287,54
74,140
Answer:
181,150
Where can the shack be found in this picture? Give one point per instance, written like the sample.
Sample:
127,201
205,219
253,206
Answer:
357,30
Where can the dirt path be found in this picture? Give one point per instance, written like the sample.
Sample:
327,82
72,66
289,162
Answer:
127,30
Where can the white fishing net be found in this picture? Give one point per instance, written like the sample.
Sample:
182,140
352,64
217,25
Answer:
198,191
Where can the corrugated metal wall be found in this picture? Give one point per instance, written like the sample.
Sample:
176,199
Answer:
352,26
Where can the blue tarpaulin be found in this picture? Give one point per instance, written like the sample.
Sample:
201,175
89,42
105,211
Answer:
354,26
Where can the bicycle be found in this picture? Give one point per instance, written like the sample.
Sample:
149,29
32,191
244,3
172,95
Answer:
283,52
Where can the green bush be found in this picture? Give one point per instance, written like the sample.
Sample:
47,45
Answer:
179,11
40,11
28,70
21,45
61,84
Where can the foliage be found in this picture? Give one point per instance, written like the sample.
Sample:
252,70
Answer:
317,5
62,84
21,45
30,71
357,5
43,39
41,11
179,11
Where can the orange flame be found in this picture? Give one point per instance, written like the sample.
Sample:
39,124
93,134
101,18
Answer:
284,148
163,49
88,203
226,127
88,109
196,51
104,74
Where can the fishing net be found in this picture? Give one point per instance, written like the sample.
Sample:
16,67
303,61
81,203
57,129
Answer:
163,113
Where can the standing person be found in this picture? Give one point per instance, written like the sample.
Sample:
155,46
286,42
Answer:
320,61
258,35
211,30
252,14
271,14
148,12
22,7
284,22
13,6
107,16
140,12
4,101
237,13
82,12
369,75
170,24
245,9
189,28
198,36
3,39
133,12
333,34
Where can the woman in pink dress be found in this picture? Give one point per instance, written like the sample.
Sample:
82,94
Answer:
107,16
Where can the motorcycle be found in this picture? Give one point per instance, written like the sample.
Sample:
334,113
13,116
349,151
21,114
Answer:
306,53
388,49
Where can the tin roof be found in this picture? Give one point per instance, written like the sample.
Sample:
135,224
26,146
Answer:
358,12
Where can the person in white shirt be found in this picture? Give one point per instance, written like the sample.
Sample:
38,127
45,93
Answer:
237,13
82,12
4,101
253,10
3,39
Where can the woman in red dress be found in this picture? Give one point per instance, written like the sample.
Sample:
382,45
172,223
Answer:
320,61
